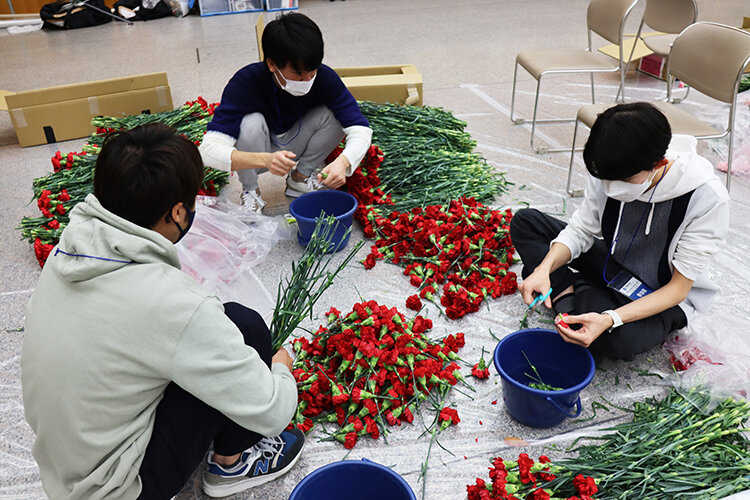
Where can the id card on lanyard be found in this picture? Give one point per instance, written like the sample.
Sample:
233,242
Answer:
629,286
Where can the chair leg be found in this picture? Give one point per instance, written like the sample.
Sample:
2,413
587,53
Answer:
593,97
572,192
729,159
731,141
513,97
533,119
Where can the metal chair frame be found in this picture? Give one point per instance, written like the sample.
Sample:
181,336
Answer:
670,79
620,67
639,37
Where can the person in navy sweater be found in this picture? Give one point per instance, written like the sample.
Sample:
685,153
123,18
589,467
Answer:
285,115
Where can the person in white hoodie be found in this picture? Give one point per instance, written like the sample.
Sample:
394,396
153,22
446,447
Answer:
130,369
631,266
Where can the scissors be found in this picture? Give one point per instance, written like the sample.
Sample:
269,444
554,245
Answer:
540,298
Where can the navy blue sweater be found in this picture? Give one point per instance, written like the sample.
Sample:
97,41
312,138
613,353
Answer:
253,90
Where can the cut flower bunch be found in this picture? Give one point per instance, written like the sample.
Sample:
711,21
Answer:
369,370
428,157
525,479
684,446
462,249
73,176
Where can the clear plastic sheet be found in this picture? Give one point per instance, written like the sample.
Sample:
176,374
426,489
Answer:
718,118
714,349
223,246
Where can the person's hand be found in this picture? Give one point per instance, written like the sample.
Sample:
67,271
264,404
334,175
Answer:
537,283
592,325
335,173
283,357
281,162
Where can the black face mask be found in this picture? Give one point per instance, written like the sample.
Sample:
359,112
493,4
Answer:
183,232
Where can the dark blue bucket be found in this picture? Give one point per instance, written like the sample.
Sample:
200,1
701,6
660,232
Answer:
307,208
559,363
363,480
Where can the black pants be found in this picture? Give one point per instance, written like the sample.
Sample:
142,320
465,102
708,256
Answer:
532,232
185,426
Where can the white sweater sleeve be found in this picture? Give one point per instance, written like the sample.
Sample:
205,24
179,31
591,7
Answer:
358,140
212,363
585,224
703,237
216,150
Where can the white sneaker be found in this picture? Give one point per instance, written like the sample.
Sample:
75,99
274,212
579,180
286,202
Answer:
296,189
252,202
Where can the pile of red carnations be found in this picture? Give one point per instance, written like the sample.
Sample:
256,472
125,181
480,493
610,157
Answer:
73,173
525,479
463,248
369,369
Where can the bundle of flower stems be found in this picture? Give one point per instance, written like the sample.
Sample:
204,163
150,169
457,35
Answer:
296,296
428,158
677,448
73,176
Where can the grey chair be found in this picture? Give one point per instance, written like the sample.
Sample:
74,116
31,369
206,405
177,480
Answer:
669,17
709,57
606,18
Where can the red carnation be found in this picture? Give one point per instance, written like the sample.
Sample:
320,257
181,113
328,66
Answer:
414,303
585,486
350,440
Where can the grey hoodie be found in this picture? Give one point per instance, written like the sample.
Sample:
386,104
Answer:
103,338
697,240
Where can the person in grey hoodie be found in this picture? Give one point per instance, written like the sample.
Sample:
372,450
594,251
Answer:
631,265
130,369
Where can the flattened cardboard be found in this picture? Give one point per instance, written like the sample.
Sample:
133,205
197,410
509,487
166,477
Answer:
62,113
641,50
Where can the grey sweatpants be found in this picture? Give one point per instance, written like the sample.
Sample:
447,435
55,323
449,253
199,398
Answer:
312,139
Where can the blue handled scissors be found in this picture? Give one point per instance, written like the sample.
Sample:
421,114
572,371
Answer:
540,298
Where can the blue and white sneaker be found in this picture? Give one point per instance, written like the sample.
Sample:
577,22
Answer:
269,459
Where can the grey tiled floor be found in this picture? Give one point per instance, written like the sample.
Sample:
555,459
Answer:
465,51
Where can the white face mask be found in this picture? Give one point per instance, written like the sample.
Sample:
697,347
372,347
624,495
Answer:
296,88
627,191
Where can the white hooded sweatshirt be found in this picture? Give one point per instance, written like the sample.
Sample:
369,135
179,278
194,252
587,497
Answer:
102,340
698,238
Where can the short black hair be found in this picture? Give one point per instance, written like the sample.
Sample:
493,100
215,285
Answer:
626,139
142,173
294,39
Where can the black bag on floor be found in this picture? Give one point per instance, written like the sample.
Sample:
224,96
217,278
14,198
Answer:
138,10
68,15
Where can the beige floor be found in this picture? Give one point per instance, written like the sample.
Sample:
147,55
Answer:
465,50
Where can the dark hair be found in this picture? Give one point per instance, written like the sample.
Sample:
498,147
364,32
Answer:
626,139
142,173
294,39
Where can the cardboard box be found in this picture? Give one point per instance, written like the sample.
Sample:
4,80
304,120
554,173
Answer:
400,84
65,112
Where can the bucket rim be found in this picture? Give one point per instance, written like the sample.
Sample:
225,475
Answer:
346,463
564,392
330,192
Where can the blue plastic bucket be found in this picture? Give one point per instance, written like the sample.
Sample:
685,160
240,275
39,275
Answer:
559,363
360,479
307,208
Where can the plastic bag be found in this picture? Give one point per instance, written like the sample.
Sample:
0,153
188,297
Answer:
220,251
718,119
712,351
